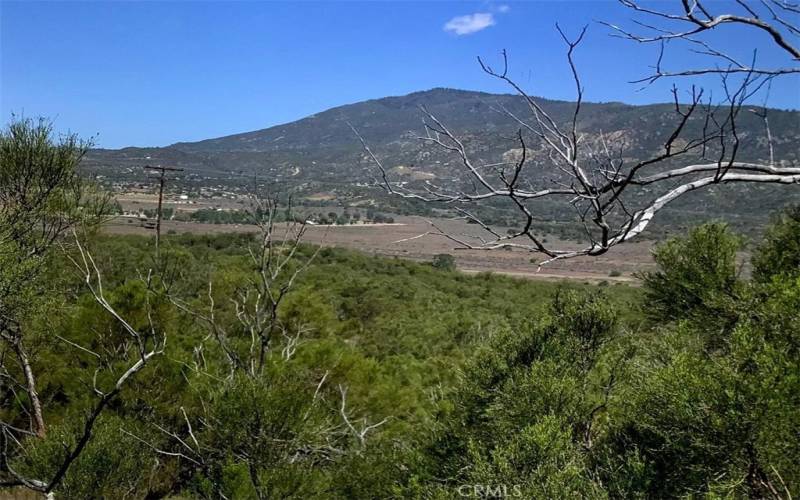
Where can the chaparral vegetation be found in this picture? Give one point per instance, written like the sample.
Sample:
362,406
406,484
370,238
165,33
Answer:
257,365
244,366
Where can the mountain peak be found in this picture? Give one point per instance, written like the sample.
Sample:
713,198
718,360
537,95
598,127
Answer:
324,145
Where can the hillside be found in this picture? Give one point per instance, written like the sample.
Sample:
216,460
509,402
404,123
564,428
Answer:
322,145
321,153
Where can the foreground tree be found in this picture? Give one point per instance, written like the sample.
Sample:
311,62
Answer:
41,195
43,202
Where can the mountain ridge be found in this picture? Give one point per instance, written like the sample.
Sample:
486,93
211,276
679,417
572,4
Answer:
410,100
322,146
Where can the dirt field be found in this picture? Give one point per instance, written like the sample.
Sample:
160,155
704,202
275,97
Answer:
145,201
384,240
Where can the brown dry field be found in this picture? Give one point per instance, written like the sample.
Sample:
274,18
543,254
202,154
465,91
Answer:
135,201
384,240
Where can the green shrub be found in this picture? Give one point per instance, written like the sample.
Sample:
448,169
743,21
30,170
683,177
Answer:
779,252
444,261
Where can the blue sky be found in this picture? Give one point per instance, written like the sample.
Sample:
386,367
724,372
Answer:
152,73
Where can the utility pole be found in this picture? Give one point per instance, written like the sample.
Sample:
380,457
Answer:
162,171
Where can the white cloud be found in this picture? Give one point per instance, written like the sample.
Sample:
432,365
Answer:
503,9
472,23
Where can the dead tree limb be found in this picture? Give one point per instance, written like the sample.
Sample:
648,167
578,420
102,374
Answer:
591,176
148,347
690,20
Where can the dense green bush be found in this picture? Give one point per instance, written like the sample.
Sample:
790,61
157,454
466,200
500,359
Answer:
686,387
444,261
697,276
779,253
578,407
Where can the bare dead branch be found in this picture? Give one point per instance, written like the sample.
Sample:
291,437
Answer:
694,19
592,176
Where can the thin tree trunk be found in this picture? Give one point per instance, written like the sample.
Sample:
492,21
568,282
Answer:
37,420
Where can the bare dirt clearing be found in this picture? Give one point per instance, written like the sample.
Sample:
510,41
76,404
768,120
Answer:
385,240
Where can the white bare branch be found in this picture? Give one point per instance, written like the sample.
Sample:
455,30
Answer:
614,198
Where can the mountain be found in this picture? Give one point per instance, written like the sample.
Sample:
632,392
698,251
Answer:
320,157
323,147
